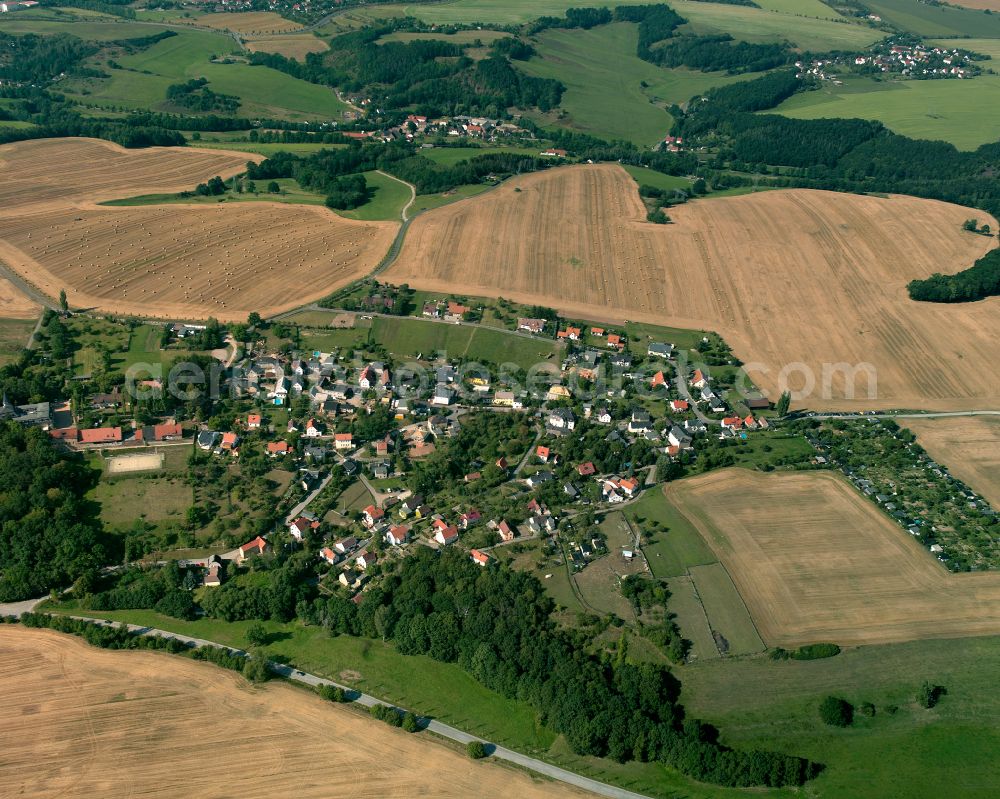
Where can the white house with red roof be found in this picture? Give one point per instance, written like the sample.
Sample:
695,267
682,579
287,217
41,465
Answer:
446,535
479,557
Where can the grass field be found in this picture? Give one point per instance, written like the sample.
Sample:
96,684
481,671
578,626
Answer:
599,581
924,19
675,545
388,198
750,24
426,202
650,177
487,37
262,91
161,501
968,446
727,615
963,112
911,752
575,238
96,28
449,156
13,338
76,713
690,615
815,560
412,337
612,103
212,142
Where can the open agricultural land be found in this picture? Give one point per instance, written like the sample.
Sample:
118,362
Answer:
965,113
261,257
576,239
18,315
290,45
81,721
968,446
144,76
816,561
627,102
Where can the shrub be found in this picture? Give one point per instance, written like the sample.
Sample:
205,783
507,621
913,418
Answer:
476,750
410,723
866,709
836,712
929,694
816,652
331,693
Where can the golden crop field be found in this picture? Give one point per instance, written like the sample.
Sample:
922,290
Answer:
969,446
247,23
171,261
85,722
295,45
786,277
814,561
14,304
63,172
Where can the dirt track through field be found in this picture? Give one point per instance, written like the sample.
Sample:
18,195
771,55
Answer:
168,261
84,722
787,277
814,561
969,446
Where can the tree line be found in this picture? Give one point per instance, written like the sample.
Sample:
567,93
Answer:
979,281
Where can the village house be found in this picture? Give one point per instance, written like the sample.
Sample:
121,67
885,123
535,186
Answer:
372,516
345,545
446,535
343,441
479,557
657,350
586,469
571,333
251,549
531,325
561,419
507,533
366,559
398,535
301,526
469,519
276,449
101,435
327,554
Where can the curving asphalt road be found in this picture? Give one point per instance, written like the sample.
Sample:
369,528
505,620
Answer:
366,700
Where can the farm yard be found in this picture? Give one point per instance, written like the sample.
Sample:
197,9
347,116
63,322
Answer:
968,446
69,703
575,238
261,257
815,561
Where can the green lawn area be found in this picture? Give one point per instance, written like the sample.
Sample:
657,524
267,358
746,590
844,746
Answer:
290,192
412,337
726,611
263,92
77,22
329,340
609,101
988,47
161,501
763,448
650,177
388,198
743,22
915,753
449,156
936,20
963,112
687,607
676,545
268,149
13,336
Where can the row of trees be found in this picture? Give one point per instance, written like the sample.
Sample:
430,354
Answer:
979,281
495,623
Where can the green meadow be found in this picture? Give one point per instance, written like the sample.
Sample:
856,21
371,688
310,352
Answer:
963,112
939,19
614,103
263,92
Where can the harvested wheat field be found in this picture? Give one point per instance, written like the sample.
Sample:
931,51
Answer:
62,172
295,45
787,277
15,304
814,561
169,261
249,23
86,722
969,446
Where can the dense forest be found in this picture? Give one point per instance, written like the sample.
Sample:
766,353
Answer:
38,58
49,534
714,53
979,281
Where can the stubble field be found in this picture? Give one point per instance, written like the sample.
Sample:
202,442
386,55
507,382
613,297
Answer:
15,304
85,722
170,261
816,561
296,45
969,446
786,277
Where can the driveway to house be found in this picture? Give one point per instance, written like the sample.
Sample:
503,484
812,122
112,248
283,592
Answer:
294,513
366,700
